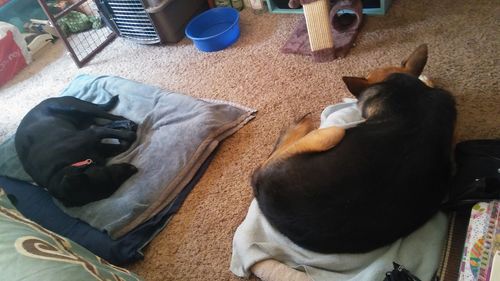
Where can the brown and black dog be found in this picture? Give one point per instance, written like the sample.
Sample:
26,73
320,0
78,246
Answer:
332,190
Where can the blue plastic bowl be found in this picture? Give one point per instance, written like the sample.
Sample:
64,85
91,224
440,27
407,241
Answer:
215,29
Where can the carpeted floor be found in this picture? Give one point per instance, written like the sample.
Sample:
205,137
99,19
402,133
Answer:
464,58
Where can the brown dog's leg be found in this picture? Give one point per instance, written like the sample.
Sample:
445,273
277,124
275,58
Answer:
302,137
315,141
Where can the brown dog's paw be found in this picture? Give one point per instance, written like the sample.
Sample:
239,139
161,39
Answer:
297,130
303,118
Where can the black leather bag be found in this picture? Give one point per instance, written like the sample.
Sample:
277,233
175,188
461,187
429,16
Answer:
477,176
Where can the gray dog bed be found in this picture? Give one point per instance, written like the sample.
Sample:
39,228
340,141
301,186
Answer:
176,134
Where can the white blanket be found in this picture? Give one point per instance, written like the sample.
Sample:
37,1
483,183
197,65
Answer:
344,115
256,240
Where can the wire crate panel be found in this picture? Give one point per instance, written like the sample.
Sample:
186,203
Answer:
132,21
81,26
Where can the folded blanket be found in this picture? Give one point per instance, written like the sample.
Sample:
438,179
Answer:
256,240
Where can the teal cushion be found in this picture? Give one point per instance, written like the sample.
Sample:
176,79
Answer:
29,252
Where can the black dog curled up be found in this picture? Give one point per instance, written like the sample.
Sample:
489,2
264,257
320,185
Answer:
62,145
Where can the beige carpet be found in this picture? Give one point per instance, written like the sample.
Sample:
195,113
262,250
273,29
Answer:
464,57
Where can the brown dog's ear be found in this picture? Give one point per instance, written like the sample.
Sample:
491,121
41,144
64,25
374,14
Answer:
415,63
356,85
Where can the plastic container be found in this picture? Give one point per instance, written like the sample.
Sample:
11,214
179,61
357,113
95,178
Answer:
170,17
215,29
18,12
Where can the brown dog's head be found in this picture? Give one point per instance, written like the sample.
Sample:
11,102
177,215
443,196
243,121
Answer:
413,65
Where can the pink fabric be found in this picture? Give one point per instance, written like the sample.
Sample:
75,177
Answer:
11,58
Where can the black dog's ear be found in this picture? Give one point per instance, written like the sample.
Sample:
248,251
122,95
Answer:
415,63
356,85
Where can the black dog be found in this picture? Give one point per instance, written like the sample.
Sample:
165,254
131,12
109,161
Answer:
381,181
60,144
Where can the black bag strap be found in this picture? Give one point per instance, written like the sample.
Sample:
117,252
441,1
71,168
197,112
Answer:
399,273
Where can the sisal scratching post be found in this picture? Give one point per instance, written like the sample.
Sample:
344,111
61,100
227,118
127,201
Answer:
324,33
317,14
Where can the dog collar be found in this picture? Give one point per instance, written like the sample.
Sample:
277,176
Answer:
85,162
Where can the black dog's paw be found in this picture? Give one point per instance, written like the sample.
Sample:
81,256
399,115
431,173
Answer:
125,124
121,172
127,168
131,125
127,137
132,169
